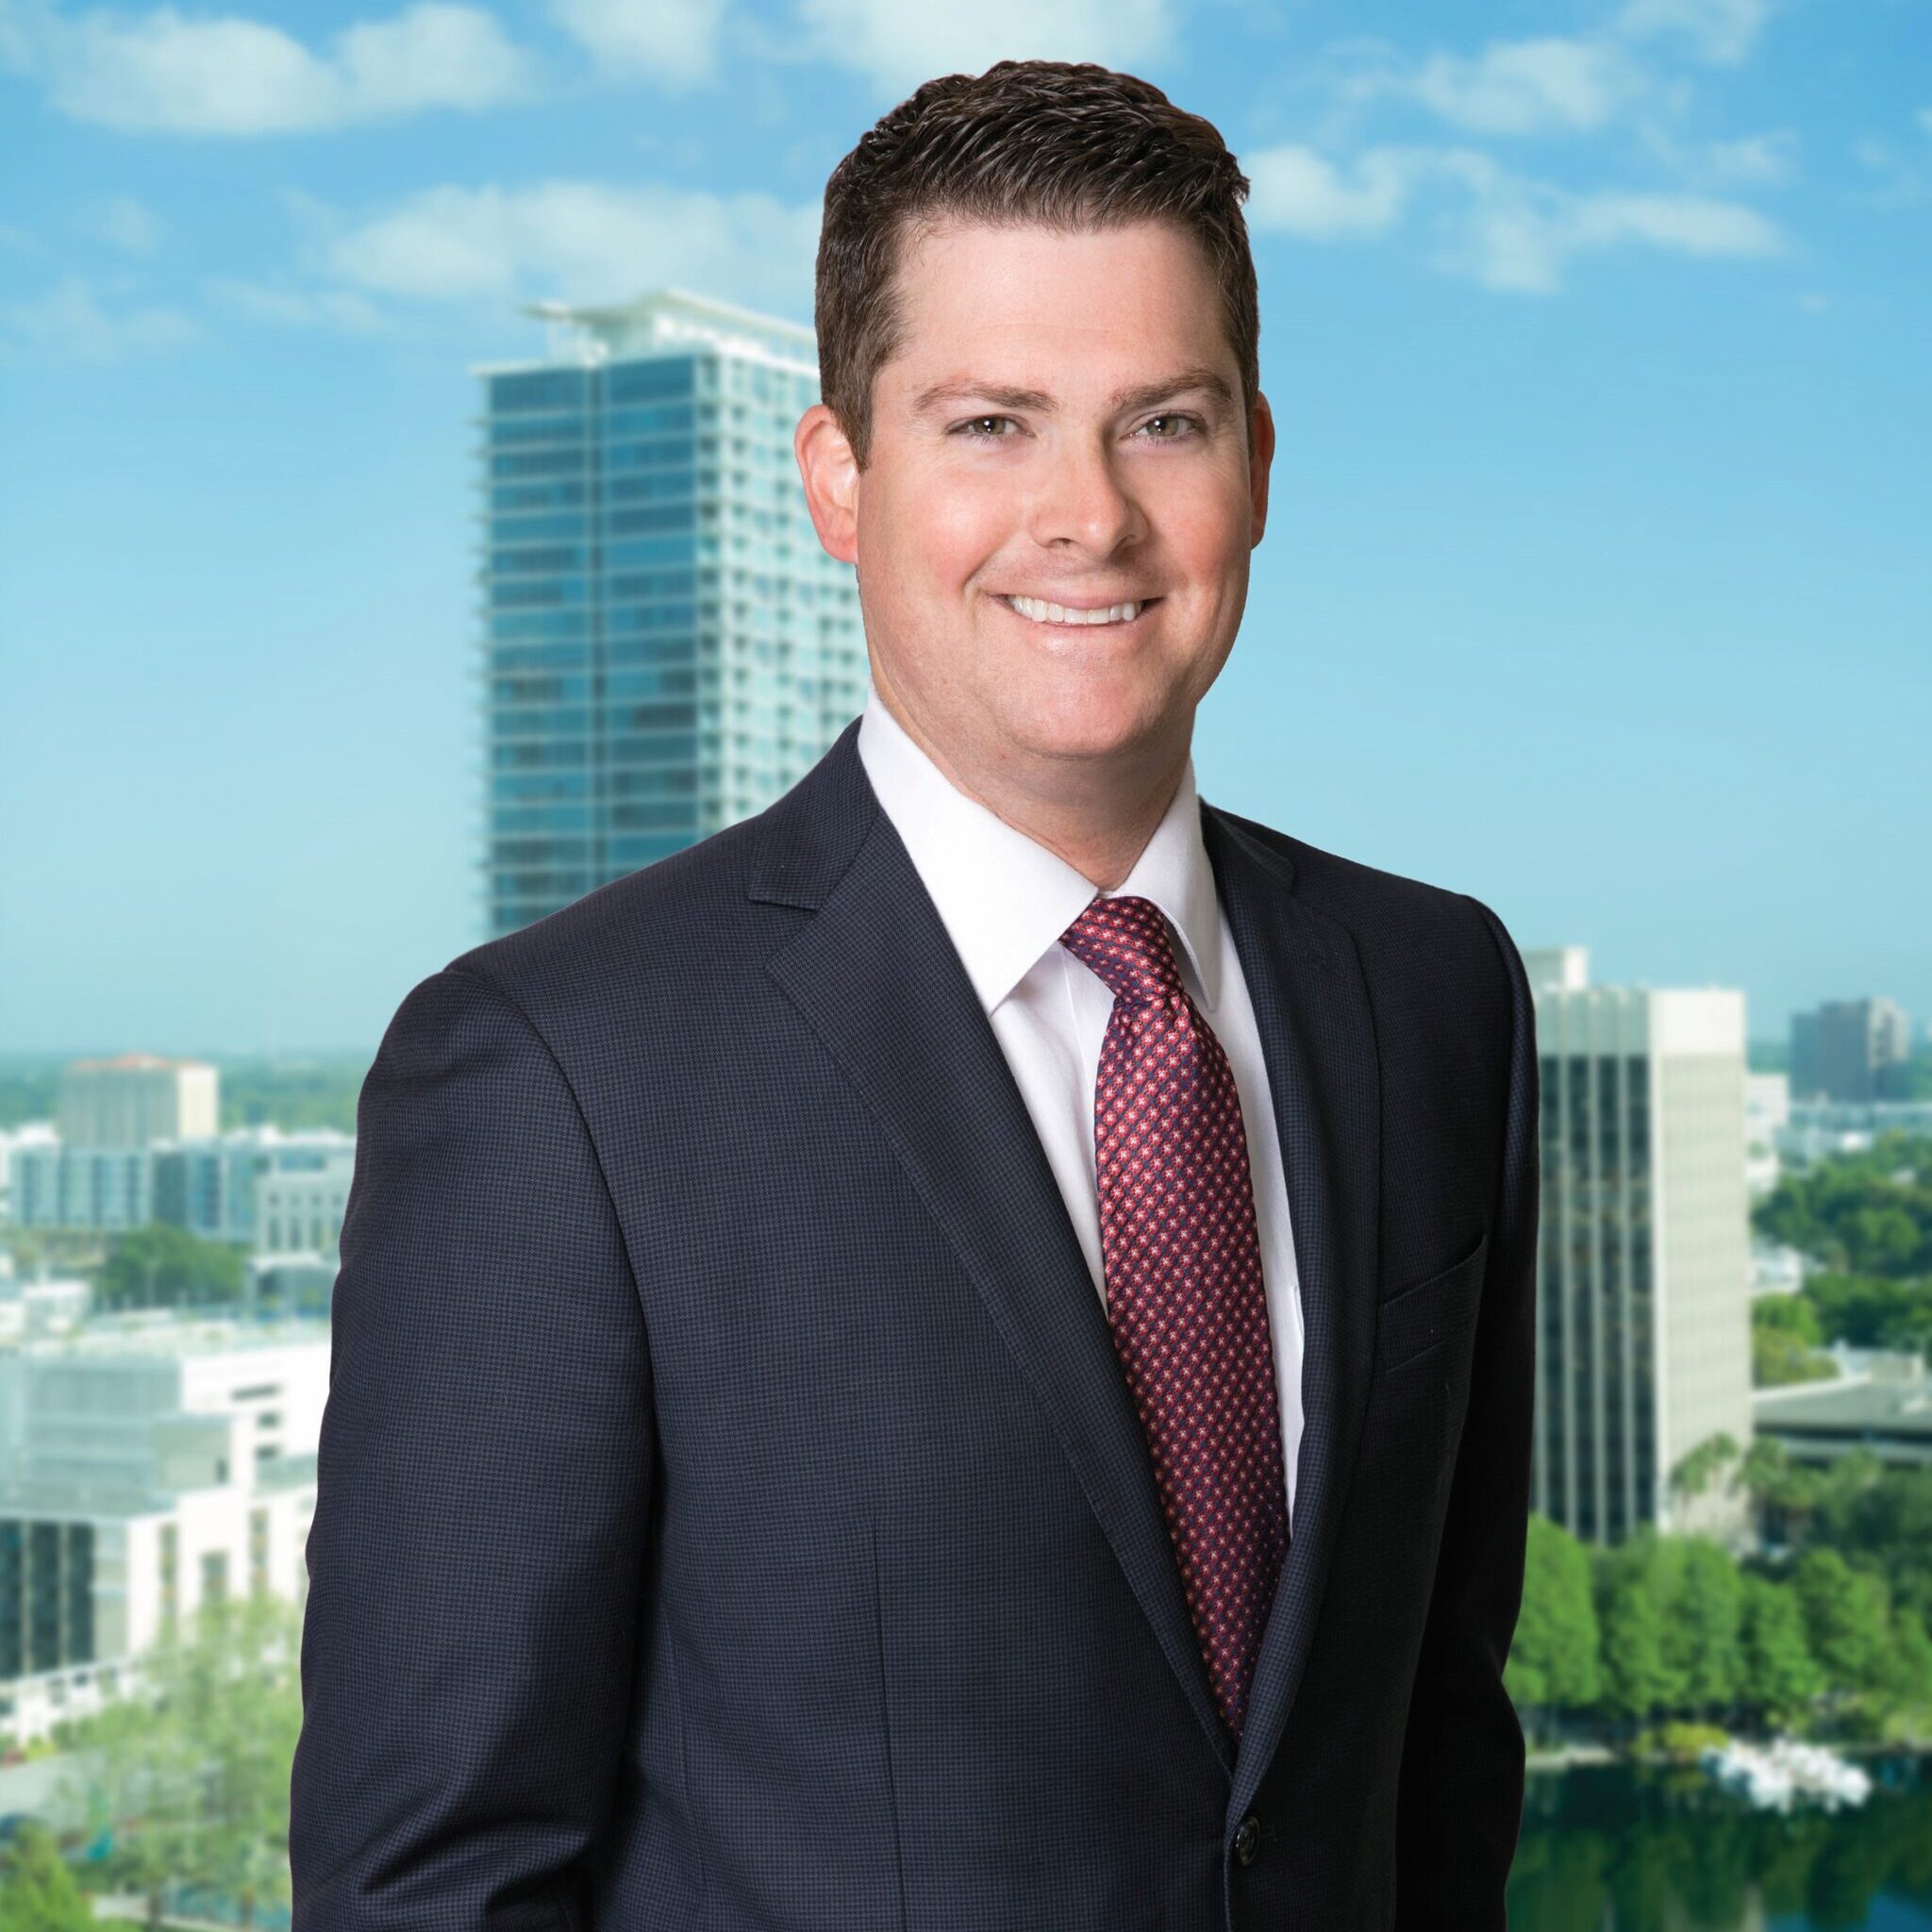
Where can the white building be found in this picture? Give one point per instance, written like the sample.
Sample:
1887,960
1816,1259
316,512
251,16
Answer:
1767,1112
1644,1341
15,1141
31,1309
147,1463
1818,1128
135,1098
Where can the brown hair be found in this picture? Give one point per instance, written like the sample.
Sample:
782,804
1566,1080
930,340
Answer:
1066,145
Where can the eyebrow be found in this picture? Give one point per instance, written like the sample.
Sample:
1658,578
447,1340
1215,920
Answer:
1140,396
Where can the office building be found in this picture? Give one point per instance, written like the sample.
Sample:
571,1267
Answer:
667,648
1644,1344
101,1190
263,1187
14,1142
147,1464
1850,1050
137,1098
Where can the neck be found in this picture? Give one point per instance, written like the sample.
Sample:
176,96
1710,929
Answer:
1101,827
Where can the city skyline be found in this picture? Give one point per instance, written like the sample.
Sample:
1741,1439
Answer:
1592,340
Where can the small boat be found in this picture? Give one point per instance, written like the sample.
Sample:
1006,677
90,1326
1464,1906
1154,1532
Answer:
1785,1772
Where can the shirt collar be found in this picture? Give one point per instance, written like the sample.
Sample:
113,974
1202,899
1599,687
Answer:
1003,897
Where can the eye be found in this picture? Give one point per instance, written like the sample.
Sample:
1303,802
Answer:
971,429
1169,417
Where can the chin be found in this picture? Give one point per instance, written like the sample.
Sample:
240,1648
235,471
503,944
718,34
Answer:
1087,722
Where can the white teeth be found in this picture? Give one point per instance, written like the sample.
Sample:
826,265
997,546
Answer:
1043,612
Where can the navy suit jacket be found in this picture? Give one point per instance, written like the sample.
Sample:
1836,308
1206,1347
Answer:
731,1513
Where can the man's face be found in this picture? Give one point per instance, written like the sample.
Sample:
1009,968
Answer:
1062,425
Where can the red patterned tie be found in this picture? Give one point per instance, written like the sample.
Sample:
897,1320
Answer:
1184,1294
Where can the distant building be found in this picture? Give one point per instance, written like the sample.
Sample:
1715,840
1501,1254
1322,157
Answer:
16,1140
1850,1050
667,647
252,1186
1820,1129
1645,1342
1881,1401
280,1285
101,1190
1776,1268
1767,1111
260,1187
135,1099
29,1310
147,1464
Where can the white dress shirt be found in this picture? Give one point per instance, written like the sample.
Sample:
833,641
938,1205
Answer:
1005,900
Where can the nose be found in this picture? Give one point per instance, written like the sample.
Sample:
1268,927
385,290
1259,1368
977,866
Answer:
1081,501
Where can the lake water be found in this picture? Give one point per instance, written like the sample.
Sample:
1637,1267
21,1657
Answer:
1614,1849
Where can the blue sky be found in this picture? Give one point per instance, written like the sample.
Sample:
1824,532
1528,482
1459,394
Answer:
1596,582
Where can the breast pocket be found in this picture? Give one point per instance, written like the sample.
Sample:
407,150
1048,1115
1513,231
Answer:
1417,1319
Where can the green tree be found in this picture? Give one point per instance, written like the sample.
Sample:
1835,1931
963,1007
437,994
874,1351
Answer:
37,1893
1780,1359
1781,1677
162,1267
1906,1676
1638,1679
1793,1314
1702,1638
1844,1619
1698,1468
1554,1662
192,1769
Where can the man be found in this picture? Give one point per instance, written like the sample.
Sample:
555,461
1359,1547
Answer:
958,1354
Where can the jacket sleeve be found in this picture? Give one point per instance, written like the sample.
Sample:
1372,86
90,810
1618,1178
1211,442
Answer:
1460,1796
484,1477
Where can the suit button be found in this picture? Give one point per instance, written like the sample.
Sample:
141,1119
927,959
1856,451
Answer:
1247,1839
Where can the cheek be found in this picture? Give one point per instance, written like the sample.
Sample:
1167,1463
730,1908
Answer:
962,522
1208,536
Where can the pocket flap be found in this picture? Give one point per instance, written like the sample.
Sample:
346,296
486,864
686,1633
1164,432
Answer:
1416,1318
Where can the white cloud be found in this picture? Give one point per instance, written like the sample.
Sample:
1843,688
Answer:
1505,230
125,224
1754,161
346,309
897,43
1520,236
674,41
1756,158
163,72
1299,192
1526,87
581,241
1925,119
1721,31
71,323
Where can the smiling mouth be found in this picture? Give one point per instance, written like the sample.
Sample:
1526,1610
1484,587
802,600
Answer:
1041,611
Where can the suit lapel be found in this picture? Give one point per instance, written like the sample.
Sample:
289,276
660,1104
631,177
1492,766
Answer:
1316,1033
876,975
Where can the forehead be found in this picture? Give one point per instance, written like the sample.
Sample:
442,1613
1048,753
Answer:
1051,308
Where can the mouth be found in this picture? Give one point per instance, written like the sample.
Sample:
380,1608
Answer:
1108,616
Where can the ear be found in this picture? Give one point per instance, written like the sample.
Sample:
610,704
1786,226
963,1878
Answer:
1260,464
830,472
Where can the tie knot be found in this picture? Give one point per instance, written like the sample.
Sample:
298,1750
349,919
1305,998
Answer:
1125,940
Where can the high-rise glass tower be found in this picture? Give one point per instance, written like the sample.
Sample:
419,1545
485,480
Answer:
667,648
1643,1345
